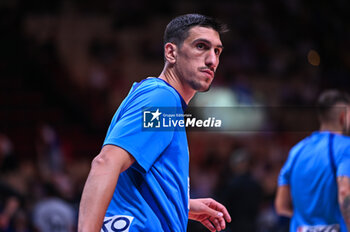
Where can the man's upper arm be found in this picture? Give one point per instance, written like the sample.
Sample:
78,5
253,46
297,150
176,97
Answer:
100,185
343,181
343,185
116,156
343,174
344,198
283,201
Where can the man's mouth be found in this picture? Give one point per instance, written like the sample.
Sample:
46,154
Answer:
209,72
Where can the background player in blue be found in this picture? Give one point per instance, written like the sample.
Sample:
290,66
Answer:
139,181
314,183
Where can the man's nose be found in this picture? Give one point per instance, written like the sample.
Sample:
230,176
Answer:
212,59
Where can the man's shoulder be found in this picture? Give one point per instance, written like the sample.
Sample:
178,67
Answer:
154,91
342,143
302,143
345,139
153,85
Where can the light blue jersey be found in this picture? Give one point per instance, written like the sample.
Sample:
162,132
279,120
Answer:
151,195
310,171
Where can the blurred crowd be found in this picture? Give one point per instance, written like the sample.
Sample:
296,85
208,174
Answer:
39,193
65,66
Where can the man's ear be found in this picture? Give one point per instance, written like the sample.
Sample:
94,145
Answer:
170,52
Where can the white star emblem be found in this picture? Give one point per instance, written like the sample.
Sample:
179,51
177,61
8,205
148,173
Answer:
156,115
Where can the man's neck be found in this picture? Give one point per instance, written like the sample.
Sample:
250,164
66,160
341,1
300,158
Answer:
182,88
331,128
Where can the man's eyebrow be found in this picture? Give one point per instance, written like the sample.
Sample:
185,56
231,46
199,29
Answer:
208,42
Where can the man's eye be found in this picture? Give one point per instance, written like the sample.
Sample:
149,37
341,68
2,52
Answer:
200,46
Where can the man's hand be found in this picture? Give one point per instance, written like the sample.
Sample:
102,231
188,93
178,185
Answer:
210,213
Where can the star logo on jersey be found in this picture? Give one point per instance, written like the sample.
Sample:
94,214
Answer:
151,119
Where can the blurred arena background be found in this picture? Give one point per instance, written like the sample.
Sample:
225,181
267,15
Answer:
65,66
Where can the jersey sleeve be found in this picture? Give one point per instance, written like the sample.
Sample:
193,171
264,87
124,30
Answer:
344,164
284,176
127,132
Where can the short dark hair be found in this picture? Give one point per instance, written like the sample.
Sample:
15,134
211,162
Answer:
177,30
326,102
